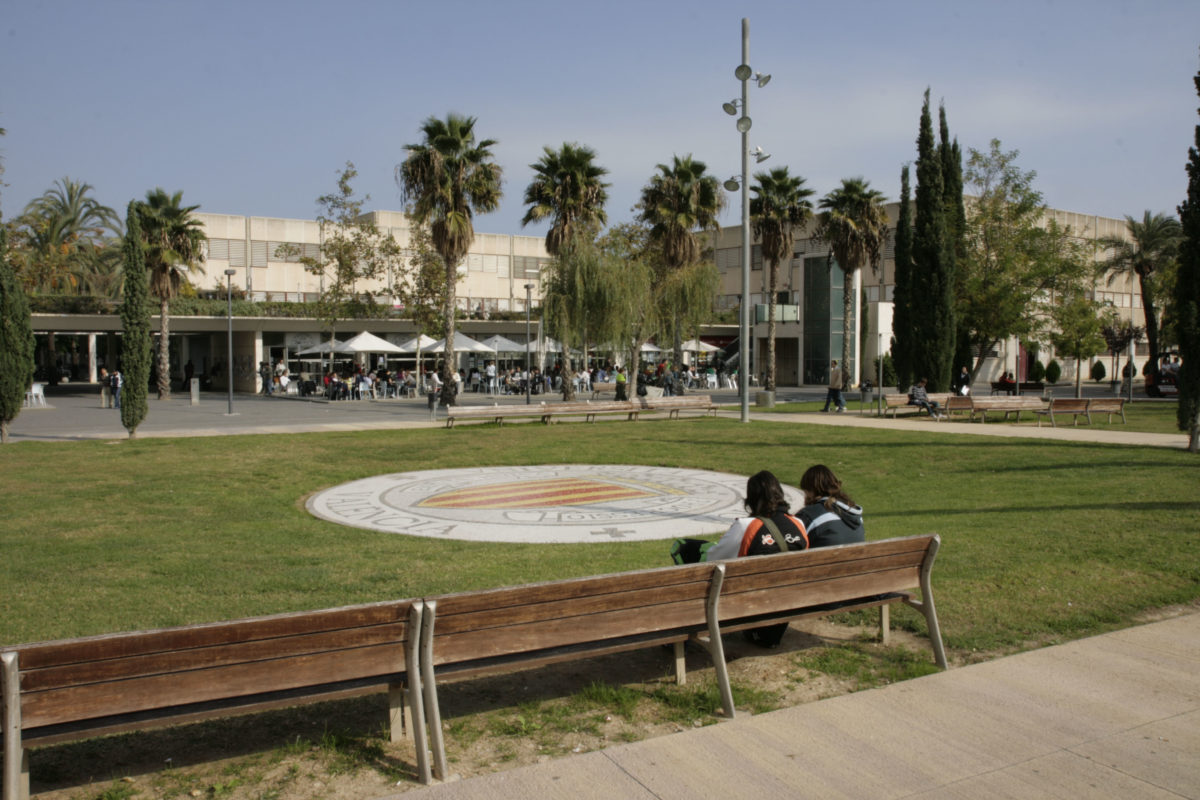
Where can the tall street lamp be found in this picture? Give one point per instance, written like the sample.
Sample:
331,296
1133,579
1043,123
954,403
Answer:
744,74
229,336
528,302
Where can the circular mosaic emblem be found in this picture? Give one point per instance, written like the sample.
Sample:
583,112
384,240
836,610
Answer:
550,503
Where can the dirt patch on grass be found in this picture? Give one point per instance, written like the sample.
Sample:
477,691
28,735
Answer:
341,750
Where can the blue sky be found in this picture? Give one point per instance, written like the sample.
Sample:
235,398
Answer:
252,107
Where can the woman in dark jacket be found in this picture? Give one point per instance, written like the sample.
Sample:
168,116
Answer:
829,515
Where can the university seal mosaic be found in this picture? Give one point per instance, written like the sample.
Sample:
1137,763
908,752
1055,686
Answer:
541,504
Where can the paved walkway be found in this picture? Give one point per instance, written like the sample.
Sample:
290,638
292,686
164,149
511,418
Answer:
1114,716
74,413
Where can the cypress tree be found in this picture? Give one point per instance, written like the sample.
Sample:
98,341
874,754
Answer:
903,330
1187,299
16,342
956,233
135,326
934,304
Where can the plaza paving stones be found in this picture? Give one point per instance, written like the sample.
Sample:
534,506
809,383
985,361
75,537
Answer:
556,503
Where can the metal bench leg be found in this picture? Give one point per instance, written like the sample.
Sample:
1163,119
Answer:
413,666
433,714
16,757
716,650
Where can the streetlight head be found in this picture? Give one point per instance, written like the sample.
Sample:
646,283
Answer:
732,185
231,272
743,72
763,80
730,107
759,155
744,123
529,287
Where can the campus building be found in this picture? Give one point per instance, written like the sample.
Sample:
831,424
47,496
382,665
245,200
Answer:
809,296
265,253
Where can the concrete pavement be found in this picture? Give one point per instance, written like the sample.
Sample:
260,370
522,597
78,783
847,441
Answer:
1113,716
74,413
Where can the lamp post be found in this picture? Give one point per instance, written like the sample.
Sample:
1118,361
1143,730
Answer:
229,336
528,302
744,74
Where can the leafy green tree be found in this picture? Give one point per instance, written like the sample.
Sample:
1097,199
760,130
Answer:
635,309
174,248
1076,330
678,203
1015,258
934,274
449,178
567,190
853,222
352,250
779,206
16,342
135,325
1147,251
1118,334
1187,298
425,288
904,296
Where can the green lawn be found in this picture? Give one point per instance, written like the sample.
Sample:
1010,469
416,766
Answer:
1041,541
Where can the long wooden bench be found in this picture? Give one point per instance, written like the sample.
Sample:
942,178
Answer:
1062,406
473,633
898,402
689,402
79,688
958,404
546,412
1004,405
1107,405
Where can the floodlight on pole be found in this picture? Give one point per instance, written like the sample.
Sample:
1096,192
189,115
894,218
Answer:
528,376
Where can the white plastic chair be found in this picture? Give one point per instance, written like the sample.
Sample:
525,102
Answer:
36,396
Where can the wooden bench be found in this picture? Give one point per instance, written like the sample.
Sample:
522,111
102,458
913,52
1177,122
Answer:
1004,405
1031,386
545,411
897,402
474,633
689,402
604,388
958,404
1107,405
1063,406
79,688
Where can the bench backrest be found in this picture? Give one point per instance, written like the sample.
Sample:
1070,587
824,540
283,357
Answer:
824,575
1106,403
125,673
1068,404
474,627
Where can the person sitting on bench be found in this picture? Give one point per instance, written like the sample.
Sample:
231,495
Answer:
917,396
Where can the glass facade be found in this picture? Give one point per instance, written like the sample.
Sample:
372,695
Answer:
824,285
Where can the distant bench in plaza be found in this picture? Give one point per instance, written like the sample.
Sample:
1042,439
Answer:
1082,408
589,410
898,402
993,405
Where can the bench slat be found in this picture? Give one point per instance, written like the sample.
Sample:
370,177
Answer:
179,688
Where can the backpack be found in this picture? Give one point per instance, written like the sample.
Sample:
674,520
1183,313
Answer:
114,380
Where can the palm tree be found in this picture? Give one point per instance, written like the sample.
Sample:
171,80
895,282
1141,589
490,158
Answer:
174,247
61,227
566,189
780,206
678,203
1150,245
854,225
448,178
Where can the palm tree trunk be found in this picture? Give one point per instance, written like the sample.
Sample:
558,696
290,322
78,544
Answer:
772,281
164,353
1151,322
847,311
448,382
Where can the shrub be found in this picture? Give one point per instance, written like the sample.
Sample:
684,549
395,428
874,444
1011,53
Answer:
890,378
1053,372
1037,371
1098,371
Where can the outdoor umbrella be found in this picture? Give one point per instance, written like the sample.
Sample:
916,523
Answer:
367,343
416,343
462,344
320,349
502,344
697,346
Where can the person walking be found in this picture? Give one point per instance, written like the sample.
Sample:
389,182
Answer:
834,394
115,382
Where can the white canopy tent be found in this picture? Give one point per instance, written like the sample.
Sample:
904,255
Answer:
462,344
503,344
320,349
697,346
421,342
367,343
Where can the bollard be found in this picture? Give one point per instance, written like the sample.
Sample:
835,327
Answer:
195,390
433,406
